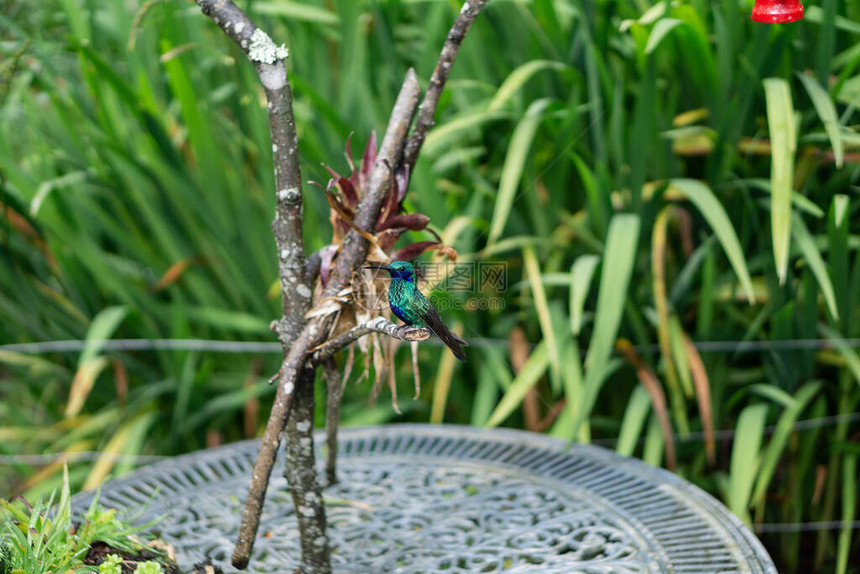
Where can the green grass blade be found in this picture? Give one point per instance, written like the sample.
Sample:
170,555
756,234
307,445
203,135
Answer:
573,392
655,443
826,41
826,110
486,395
679,354
780,120
443,137
512,171
533,369
638,407
779,439
849,511
297,11
517,79
581,273
103,326
745,459
619,257
852,359
816,263
660,30
712,210
230,321
838,256
532,269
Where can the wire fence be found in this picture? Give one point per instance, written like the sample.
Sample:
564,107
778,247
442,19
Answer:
219,346
43,459
258,347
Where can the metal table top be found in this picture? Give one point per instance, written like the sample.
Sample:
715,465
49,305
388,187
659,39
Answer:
425,498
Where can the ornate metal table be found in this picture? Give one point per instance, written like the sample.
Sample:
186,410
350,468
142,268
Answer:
420,498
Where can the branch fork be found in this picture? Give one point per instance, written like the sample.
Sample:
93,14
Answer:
300,331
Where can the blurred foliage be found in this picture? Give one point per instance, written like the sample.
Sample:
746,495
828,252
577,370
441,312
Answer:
650,174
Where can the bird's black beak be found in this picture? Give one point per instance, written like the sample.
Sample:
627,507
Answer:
376,267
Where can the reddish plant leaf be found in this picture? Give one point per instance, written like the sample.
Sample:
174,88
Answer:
413,250
388,238
344,227
368,161
402,179
349,153
334,175
344,211
326,259
703,397
348,191
346,215
391,205
411,221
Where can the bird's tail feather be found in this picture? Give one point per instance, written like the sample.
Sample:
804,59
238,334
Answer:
455,343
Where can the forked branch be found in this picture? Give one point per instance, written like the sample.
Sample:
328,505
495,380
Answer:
300,336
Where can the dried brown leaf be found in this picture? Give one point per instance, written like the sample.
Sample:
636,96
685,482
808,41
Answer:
518,347
173,273
391,205
449,252
655,391
120,376
703,396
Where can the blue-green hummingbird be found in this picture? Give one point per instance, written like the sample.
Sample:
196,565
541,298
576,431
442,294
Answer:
413,308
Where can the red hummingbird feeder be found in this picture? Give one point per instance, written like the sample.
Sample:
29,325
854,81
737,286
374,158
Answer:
777,11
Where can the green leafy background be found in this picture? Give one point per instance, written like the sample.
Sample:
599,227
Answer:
651,175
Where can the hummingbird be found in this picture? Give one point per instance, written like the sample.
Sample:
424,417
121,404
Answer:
413,308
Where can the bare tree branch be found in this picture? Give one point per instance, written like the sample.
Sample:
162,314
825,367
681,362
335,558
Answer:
354,248
266,457
332,417
268,61
315,329
298,335
300,470
377,324
427,112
